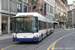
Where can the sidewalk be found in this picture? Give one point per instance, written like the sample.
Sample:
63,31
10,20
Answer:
6,36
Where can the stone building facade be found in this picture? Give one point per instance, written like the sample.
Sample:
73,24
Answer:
70,15
8,9
60,12
50,11
71,18
36,6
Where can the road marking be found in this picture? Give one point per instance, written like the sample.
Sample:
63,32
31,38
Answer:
16,44
53,44
8,47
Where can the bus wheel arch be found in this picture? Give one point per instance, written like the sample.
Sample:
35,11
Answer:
42,36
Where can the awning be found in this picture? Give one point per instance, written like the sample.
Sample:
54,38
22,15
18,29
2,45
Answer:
54,22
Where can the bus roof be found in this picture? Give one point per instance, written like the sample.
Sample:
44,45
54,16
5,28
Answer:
34,14
27,14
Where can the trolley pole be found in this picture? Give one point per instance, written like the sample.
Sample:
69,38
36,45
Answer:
39,6
22,6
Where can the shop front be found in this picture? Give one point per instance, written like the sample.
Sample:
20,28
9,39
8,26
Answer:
4,25
11,25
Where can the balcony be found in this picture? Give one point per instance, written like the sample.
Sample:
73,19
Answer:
34,3
62,21
64,1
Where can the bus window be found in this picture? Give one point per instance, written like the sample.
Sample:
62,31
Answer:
26,24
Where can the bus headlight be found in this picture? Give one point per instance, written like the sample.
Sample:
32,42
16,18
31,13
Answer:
36,36
15,36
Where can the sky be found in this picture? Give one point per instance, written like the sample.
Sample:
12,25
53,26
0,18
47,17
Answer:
70,1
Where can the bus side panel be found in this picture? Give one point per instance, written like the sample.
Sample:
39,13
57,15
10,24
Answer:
43,32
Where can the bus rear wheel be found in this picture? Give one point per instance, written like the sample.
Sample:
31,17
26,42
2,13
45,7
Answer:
41,37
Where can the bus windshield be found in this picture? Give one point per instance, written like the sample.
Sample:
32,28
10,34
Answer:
25,24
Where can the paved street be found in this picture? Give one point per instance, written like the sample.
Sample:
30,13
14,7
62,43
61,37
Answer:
60,40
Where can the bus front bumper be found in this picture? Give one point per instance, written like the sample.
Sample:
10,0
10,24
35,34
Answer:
26,39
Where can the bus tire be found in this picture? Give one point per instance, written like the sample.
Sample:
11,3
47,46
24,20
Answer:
42,37
46,34
49,32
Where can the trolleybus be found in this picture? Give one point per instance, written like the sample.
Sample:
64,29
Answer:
29,27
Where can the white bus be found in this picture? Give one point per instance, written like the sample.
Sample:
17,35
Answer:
30,27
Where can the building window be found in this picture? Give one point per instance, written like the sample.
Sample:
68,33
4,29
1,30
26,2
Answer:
19,7
36,10
25,8
37,1
19,0
30,1
34,0
12,0
48,8
51,9
45,9
25,0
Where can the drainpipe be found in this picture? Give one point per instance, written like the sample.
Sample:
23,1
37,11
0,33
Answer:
9,17
39,6
43,7
22,6
0,18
